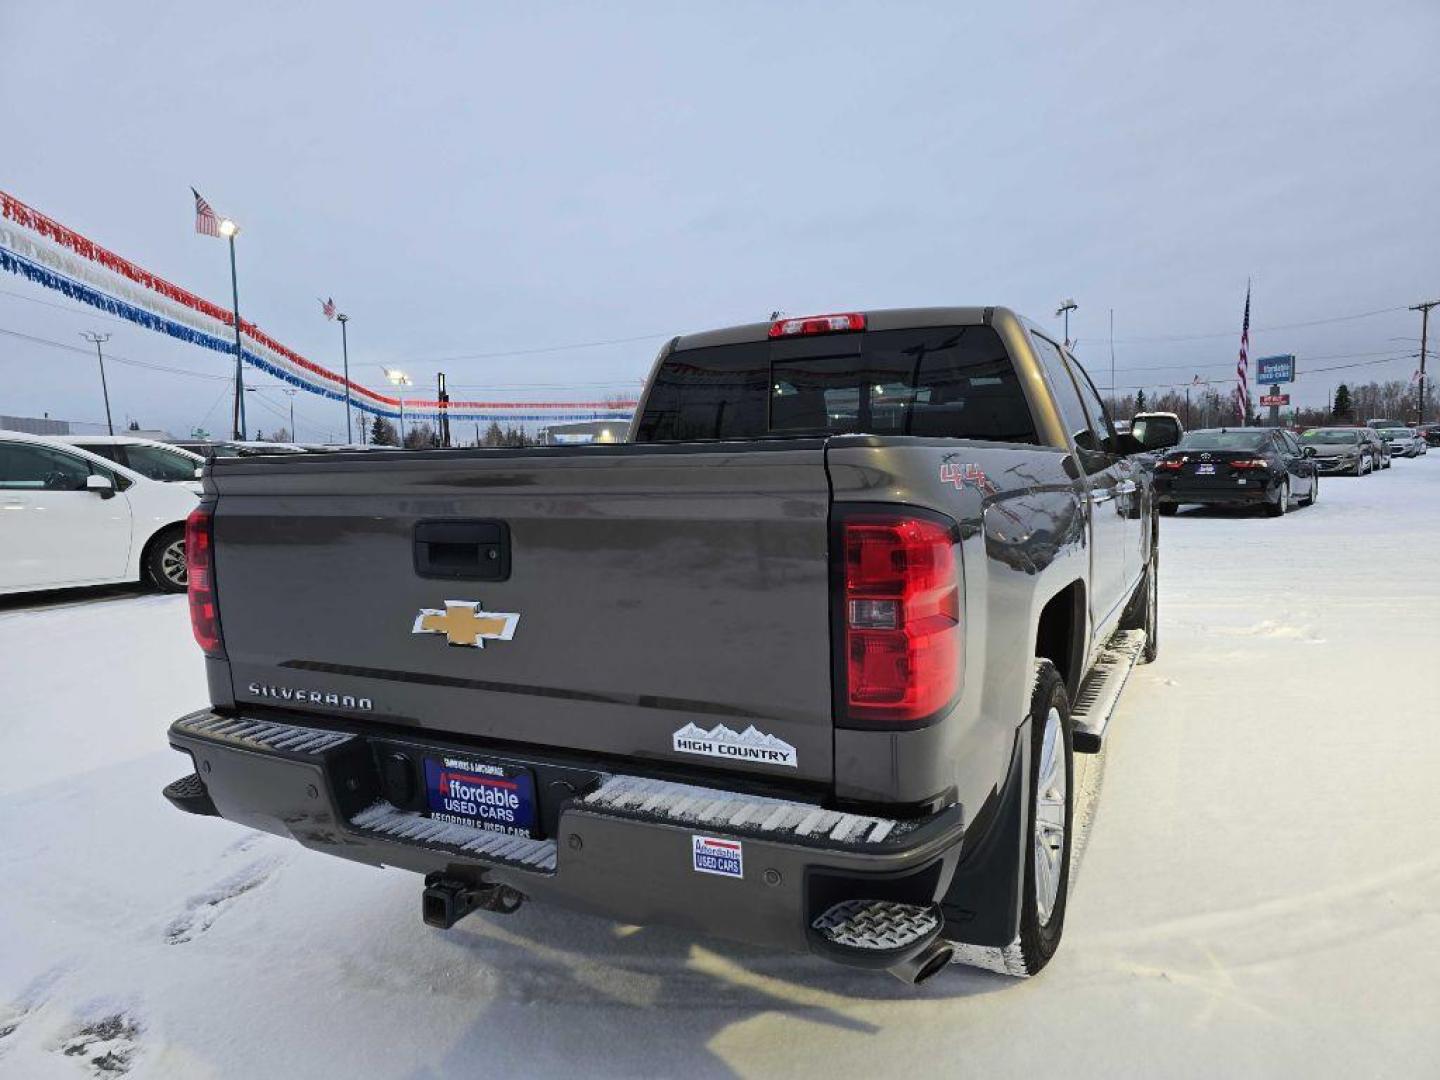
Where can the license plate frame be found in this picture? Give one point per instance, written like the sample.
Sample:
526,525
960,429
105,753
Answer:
481,793
1205,468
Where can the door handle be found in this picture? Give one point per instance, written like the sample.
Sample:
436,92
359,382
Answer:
470,550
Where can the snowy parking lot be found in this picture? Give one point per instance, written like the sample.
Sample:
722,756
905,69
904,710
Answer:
1258,894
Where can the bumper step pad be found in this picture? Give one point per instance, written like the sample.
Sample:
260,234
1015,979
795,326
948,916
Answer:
1100,692
875,933
688,805
261,734
383,819
189,794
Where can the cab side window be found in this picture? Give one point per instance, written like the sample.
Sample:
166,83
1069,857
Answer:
1089,442
1095,407
24,467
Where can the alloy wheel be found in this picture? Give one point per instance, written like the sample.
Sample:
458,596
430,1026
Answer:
1050,806
172,563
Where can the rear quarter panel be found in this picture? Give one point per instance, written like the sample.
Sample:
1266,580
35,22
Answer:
1023,539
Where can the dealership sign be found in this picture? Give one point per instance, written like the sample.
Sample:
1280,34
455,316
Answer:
1274,399
1270,370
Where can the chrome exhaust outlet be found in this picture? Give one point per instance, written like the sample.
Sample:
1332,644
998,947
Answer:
925,964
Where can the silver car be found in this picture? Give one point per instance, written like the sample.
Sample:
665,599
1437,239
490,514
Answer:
1403,441
1344,450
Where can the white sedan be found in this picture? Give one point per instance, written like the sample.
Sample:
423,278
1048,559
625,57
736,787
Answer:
157,460
70,518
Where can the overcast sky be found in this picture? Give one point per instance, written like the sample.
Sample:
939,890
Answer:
486,179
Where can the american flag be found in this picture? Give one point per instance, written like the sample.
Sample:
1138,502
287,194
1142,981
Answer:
206,220
1242,366
328,307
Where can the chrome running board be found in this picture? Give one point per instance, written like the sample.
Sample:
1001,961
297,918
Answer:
1100,692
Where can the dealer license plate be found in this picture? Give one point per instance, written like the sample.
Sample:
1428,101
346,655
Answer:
1204,470
482,794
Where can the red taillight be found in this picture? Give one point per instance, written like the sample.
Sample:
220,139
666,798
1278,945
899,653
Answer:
901,617
200,563
817,324
1250,463
1169,464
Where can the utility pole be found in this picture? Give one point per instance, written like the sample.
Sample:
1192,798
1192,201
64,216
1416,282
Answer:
345,352
443,399
97,339
1112,352
1424,309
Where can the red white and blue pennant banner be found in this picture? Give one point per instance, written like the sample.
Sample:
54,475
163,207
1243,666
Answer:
47,253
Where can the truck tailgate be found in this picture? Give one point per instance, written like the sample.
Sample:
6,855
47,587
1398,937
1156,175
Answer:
655,588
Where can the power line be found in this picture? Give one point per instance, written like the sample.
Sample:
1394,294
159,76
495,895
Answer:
1258,329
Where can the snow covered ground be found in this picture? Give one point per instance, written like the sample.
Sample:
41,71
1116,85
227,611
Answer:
1260,894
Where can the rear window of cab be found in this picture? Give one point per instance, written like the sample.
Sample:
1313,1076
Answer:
955,382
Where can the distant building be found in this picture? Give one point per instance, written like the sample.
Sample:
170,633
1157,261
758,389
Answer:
32,425
585,431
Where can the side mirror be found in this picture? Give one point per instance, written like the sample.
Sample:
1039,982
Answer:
1308,451
100,485
1129,445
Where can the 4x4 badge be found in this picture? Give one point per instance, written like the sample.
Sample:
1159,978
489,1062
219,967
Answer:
463,623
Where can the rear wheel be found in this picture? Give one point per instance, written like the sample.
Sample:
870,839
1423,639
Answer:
1050,820
1282,503
165,561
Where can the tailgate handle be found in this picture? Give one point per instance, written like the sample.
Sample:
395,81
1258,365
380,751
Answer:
468,550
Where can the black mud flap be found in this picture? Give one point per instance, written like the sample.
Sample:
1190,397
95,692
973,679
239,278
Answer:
982,905
189,794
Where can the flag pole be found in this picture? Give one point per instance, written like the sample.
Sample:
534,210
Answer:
239,348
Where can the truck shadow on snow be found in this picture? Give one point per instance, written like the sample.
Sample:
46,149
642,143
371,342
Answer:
648,1001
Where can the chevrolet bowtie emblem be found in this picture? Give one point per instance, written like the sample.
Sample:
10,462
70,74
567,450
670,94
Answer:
463,623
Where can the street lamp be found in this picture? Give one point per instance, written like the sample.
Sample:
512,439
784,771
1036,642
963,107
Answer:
230,230
398,379
1066,306
91,336
345,352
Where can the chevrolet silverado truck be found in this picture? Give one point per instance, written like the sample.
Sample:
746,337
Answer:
803,663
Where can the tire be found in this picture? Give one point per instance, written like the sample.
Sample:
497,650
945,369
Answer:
1282,504
1168,509
161,566
1049,819
1360,467
1314,491
1143,610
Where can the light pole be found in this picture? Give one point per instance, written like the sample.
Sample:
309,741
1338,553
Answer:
230,230
1066,306
97,339
291,391
398,379
345,353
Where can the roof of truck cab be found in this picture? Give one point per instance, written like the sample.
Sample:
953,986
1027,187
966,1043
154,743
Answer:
877,319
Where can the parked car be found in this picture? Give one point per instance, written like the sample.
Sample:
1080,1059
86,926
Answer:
73,518
1378,422
1340,450
156,460
1157,430
1237,467
1380,456
794,666
236,448
1431,434
1402,441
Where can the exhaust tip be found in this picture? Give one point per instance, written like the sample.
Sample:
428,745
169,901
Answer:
925,964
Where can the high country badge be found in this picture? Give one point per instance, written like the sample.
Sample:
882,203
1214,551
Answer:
748,745
463,623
